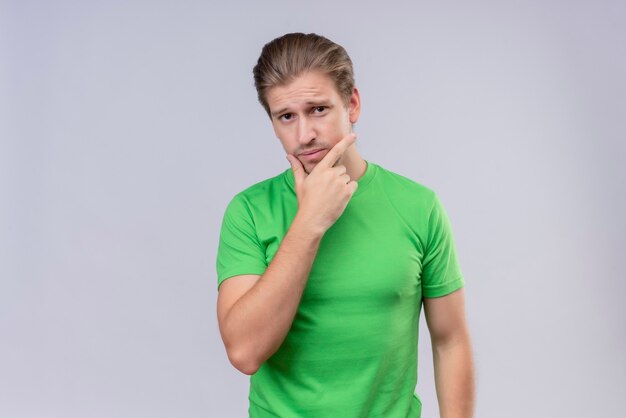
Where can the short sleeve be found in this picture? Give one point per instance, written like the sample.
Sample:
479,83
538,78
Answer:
441,272
239,250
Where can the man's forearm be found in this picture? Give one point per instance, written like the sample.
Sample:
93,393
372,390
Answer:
454,378
259,321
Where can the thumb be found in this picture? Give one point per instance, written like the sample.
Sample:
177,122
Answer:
298,170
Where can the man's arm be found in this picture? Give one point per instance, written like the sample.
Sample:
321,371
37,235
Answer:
255,313
452,354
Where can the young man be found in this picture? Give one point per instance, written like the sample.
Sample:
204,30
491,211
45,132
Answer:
322,270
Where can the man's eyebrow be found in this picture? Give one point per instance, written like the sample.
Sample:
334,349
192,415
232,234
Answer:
279,112
320,102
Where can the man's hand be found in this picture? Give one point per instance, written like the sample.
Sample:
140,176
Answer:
324,193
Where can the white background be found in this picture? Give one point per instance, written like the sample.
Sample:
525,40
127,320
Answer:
127,126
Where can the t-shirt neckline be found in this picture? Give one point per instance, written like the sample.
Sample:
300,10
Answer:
363,181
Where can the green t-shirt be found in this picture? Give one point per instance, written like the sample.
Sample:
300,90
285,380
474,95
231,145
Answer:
351,350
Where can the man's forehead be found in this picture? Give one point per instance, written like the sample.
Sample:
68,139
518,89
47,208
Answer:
305,89
298,94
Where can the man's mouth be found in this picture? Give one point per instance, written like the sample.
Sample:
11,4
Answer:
313,155
311,152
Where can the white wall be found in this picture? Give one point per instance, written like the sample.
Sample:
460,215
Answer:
126,127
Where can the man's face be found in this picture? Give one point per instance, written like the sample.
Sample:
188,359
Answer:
308,115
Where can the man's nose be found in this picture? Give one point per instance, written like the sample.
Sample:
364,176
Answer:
306,133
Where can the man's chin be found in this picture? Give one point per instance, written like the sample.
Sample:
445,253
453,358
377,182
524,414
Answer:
309,167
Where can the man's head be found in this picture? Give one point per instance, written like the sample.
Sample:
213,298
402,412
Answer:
306,85
291,55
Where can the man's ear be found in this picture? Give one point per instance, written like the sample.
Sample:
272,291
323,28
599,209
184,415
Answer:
354,106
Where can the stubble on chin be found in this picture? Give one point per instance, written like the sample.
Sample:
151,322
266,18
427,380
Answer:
307,166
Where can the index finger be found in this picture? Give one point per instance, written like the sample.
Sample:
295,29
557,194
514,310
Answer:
331,158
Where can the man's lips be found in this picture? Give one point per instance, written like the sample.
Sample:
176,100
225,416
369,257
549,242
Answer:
313,156
311,152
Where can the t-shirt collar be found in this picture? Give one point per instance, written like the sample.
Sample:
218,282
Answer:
363,181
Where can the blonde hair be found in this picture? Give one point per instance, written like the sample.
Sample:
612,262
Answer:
286,57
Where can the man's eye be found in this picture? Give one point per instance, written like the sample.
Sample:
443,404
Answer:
285,116
319,109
